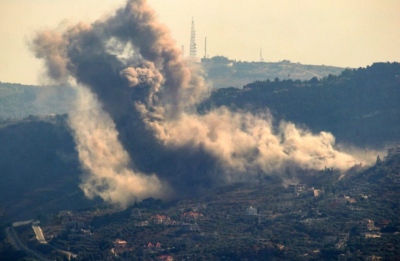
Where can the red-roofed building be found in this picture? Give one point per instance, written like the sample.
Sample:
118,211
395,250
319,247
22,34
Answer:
165,258
191,215
159,219
120,244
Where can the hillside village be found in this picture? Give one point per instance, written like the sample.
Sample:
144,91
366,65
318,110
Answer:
329,220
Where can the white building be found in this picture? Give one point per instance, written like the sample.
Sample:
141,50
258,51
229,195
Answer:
251,211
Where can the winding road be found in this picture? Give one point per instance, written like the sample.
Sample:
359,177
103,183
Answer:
18,245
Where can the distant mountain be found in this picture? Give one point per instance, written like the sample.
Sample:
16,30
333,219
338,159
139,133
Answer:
360,106
18,101
223,72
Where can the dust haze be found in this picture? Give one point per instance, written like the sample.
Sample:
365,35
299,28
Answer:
135,123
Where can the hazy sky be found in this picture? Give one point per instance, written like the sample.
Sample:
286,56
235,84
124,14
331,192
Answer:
352,33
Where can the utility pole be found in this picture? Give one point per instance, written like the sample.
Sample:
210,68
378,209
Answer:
261,57
205,48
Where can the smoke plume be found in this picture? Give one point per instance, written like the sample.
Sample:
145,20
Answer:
142,135
102,154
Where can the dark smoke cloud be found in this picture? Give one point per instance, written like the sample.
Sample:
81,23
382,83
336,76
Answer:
110,174
136,126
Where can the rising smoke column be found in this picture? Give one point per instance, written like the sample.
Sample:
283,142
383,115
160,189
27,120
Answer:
80,52
101,154
146,118
137,24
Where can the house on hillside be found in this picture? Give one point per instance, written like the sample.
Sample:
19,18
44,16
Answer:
160,219
393,153
297,188
142,223
150,247
367,225
373,258
120,246
341,201
251,211
317,192
188,216
165,258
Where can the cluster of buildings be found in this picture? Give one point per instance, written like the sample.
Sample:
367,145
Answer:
76,226
121,246
244,207
393,153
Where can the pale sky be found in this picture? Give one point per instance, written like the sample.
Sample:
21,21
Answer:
351,33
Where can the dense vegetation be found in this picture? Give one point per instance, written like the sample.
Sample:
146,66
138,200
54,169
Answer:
360,106
19,101
40,174
39,168
289,224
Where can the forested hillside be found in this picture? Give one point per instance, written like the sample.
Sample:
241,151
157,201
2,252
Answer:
360,106
39,168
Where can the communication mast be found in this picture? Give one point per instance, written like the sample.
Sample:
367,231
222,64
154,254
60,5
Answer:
205,48
261,57
193,48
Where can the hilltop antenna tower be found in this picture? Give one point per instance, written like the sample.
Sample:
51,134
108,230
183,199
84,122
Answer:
193,48
205,48
261,57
